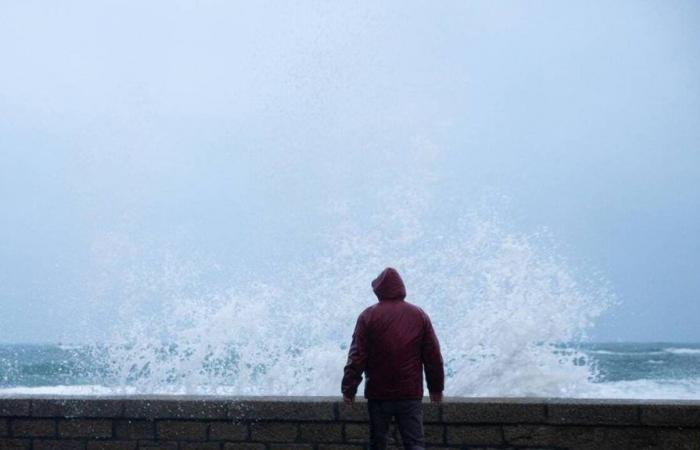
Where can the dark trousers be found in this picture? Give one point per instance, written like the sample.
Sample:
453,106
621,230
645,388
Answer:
409,418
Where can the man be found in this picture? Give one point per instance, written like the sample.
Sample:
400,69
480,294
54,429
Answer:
392,342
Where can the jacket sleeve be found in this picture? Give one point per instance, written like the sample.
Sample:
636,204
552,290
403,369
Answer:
357,359
432,359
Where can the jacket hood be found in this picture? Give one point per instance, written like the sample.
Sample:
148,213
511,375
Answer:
389,285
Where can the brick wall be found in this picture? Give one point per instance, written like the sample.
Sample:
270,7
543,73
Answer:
320,423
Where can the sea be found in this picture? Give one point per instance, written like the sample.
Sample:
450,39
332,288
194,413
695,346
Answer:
618,370
512,315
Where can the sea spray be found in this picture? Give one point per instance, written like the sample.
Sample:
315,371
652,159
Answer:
505,304
502,303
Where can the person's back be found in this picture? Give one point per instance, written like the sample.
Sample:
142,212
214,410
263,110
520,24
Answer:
392,342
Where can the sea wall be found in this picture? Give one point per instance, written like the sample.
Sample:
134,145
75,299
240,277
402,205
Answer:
323,423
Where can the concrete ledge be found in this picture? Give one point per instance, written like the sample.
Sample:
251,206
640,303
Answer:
174,408
586,412
14,407
317,423
271,408
490,410
70,407
670,414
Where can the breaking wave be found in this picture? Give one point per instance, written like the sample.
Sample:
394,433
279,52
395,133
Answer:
502,303
507,308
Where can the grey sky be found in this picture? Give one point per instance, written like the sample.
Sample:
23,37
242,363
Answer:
221,129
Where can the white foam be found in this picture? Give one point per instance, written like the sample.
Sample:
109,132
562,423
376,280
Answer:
604,352
499,305
64,390
69,347
636,389
609,352
500,300
687,389
683,351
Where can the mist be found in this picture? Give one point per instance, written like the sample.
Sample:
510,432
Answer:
227,141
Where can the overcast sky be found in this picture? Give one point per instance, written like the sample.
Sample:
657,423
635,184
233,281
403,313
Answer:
222,129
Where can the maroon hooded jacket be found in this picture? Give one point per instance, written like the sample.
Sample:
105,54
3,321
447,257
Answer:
392,342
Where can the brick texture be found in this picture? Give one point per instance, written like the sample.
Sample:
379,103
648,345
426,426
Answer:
112,445
356,432
87,428
158,445
14,444
244,447
200,446
228,431
321,432
474,435
273,432
55,444
186,423
134,429
182,430
33,428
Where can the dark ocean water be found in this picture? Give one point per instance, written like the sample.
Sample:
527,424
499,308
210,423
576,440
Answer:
622,370
645,361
